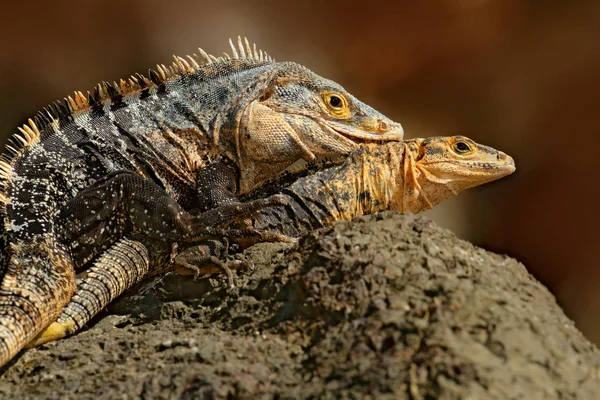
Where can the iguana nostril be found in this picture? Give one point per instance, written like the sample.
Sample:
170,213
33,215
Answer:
501,156
383,126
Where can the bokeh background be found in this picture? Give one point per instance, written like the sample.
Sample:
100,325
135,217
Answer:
520,75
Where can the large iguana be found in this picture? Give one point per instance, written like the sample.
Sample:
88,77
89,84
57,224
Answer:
410,176
131,159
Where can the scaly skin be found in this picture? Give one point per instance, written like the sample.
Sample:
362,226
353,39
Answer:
409,176
130,161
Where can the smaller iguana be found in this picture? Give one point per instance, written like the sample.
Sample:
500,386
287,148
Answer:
410,176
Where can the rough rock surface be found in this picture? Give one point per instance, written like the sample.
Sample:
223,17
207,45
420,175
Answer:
388,307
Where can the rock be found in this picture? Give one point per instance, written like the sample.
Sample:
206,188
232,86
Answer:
387,306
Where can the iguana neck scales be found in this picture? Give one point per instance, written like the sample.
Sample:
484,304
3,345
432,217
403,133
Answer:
133,157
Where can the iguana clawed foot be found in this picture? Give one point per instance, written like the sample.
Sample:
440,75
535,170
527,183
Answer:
203,258
198,262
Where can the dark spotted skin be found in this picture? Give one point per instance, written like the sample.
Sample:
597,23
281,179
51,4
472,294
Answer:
158,137
125,204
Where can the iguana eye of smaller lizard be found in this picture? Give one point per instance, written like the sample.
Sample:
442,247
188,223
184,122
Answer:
462,147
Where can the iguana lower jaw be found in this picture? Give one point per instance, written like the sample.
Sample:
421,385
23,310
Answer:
375,130
333,137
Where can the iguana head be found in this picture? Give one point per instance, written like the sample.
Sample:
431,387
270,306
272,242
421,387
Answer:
297,115
415,175
436,168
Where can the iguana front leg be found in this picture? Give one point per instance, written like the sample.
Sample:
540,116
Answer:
125,203
217,184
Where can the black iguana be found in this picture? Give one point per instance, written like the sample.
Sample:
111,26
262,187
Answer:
410,176
131,159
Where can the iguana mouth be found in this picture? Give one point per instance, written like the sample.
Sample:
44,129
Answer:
360,136
508,165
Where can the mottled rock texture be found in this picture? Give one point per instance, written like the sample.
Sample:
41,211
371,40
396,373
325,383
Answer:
389,306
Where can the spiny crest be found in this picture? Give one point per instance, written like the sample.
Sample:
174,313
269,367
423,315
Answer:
106,91
180,66
190,64
29,134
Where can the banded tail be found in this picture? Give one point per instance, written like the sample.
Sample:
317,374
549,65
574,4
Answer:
37,282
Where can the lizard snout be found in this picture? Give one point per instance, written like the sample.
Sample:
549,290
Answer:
507,161
385,126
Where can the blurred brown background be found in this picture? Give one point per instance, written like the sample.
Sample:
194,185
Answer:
522,76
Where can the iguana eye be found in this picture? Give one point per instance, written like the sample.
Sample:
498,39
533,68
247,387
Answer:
462,147
336,103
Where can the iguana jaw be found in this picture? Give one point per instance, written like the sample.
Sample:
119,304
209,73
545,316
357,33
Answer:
378,130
